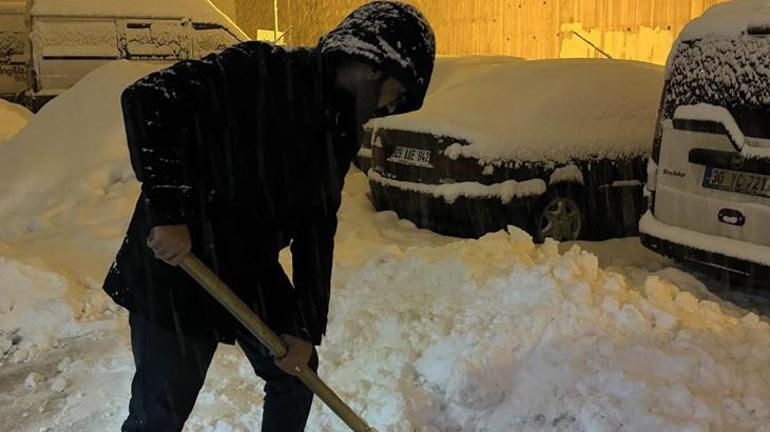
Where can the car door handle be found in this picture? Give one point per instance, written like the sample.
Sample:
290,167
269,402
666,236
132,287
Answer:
731,217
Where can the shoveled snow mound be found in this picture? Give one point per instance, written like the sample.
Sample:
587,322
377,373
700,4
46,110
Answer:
429,333
546,110
13,118
499,334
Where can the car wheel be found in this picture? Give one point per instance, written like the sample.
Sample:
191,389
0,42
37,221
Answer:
561,216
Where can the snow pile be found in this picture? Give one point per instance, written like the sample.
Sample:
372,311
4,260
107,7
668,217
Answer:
13,118
66,184
33,312
498,334
552,110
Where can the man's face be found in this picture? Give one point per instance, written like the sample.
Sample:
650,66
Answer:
392,94
372,90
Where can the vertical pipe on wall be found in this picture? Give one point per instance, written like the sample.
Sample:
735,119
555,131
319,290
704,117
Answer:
275,19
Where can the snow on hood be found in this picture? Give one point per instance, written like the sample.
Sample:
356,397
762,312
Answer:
729,19
393,37
546,110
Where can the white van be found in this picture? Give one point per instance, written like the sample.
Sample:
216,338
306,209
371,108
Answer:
14,48
709,173
63,40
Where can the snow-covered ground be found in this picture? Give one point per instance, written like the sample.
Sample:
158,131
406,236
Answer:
427,333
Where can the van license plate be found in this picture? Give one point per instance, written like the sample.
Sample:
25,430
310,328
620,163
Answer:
411,156
736,181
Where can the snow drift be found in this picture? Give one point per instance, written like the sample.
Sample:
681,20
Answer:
66,184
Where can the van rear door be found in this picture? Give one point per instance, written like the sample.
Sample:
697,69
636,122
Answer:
710,178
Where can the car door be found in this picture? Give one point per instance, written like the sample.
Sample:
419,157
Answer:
210,38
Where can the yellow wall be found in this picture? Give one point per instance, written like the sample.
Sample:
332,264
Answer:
630,29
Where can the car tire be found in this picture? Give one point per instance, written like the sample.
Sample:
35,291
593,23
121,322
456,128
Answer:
561,214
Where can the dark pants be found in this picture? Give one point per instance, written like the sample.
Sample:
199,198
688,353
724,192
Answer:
170,371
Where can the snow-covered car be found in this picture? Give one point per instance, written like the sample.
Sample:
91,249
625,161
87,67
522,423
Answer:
710,165
46,46
556,147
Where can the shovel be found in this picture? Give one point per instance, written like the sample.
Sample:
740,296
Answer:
224,295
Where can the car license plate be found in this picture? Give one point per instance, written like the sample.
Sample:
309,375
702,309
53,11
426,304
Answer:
411,156
736,181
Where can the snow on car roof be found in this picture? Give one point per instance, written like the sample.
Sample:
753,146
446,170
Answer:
198,10
545,110
727,19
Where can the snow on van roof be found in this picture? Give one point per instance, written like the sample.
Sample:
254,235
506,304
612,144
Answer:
545,110
726,19
198,10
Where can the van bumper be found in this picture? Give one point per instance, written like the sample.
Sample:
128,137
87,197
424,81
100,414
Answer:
705,250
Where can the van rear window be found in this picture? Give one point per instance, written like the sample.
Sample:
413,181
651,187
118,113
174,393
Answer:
732,73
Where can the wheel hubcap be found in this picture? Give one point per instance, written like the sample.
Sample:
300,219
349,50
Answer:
561,220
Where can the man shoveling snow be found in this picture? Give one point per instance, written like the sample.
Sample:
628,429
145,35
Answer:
240,155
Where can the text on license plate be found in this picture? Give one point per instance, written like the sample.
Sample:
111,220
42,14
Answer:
736,181
411,156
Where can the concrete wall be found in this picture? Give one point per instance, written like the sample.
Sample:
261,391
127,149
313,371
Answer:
630,29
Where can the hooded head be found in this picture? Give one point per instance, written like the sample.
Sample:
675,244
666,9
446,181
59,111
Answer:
392,38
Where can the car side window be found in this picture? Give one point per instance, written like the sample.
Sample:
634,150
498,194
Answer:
211,38
154,39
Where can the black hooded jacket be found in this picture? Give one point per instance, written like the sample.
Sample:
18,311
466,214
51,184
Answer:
249,148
